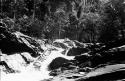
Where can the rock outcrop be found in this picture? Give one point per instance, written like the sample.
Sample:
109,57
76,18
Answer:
17,42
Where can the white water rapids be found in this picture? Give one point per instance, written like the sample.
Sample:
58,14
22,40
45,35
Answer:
30,73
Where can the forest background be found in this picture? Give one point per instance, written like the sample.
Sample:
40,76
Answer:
83,20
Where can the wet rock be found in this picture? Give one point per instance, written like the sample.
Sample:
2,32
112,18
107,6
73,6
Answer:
105,73
82,58
7,69
105,57
57,63
11,43
76,51
15,62
71,48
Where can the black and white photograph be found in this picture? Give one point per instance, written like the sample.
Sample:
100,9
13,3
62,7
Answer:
62,40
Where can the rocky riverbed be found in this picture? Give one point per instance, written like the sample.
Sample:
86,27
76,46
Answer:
24,58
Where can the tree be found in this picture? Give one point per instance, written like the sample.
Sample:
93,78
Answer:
113,19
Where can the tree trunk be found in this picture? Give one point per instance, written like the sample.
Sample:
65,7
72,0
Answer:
80,35
33,18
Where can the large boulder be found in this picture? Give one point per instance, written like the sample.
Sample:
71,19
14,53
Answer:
57,63
17,42
76,51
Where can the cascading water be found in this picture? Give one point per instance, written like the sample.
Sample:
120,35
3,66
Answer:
37,70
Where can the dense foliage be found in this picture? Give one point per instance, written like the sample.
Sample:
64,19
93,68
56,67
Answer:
82,20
